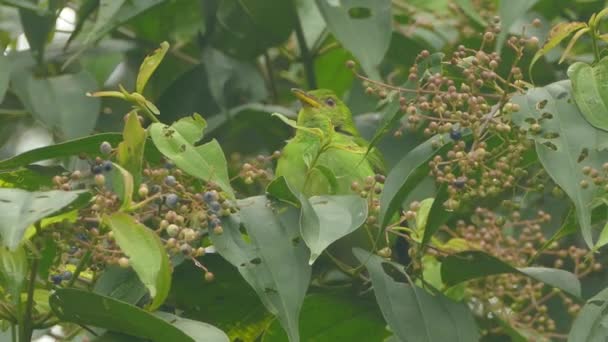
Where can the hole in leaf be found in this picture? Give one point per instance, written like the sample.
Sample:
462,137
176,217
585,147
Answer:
256,261
394,273
547,116
359,13
541,104
551,135
295,241
269,290
584,154
4,200
530,120
42,196
550,145
562,95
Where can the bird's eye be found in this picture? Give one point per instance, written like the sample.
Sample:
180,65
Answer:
330,102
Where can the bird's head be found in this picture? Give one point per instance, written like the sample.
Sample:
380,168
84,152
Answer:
321,106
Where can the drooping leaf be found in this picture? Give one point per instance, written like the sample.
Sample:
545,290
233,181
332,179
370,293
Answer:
565,144
130,153
13,270
558,33
198,331
362,27
19,209
590,323
335,317
146,254
412,313
591,91
275,261
88,308
149,65
509,11
325,219
121,284
464,266
206,162
60,102
280,190
437,215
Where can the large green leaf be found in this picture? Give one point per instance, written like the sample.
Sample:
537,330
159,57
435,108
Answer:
590,324
32,177
206,162
38,26
368,35
198,331
149,65
509,11
412,313
121,284
335,317
60,102
13,270
464,266
590,91
19,209
325,219
404,177
88,308
146,254
565,144
275,261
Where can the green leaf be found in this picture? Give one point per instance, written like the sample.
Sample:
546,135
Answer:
335,317
19,209
198,331
31,177
5,73
464,266
13,270
274,262
121,182
280,190
206,162
121,284
602,240
590,323
565,144
509,11
87,308
325,219
60,102
23,5
437,215
591,91
367,36
146,254
149,65
412,313
404,177
130,153
470,11
38,26
106,12
558,33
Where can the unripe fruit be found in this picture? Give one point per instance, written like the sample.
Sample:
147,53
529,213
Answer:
105,148
123,262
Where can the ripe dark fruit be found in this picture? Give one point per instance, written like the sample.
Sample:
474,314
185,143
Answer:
107,166
170,181
171,200
455,134
96,169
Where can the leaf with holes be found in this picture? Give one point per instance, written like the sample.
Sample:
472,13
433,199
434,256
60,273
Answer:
179,143
590,323
273,259
590,91
565,144
325,219
19,209
146,254
412,313
363,27
149,65
468,265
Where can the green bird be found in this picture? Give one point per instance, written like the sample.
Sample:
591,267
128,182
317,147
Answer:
327,153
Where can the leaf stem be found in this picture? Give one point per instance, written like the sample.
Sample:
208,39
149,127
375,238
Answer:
27,326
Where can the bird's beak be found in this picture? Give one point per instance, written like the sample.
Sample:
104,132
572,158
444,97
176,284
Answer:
306,98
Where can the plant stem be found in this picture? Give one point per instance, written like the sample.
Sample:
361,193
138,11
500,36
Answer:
307,58
271,80
596,50
83,261
26,325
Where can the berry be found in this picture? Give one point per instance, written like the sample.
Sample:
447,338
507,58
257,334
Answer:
96,169
210,196
209,277
171,200
215,206
169,165
455,134
66,275
100,180
170,181
123,262
56,279
107,166
459,182
105,148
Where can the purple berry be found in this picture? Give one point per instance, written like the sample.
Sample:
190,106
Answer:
66,275
171,200
210,196
96,169
56,279
215,206
107,166
455,134
170,181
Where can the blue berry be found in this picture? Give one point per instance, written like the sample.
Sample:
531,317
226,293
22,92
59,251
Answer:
107,166
455,134
73,250
96,169
215,206
155,189
105,148
66,275
170,181
459,182
210,196
56,279
169,165
171,200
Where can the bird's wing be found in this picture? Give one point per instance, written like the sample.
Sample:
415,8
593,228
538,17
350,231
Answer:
374,157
